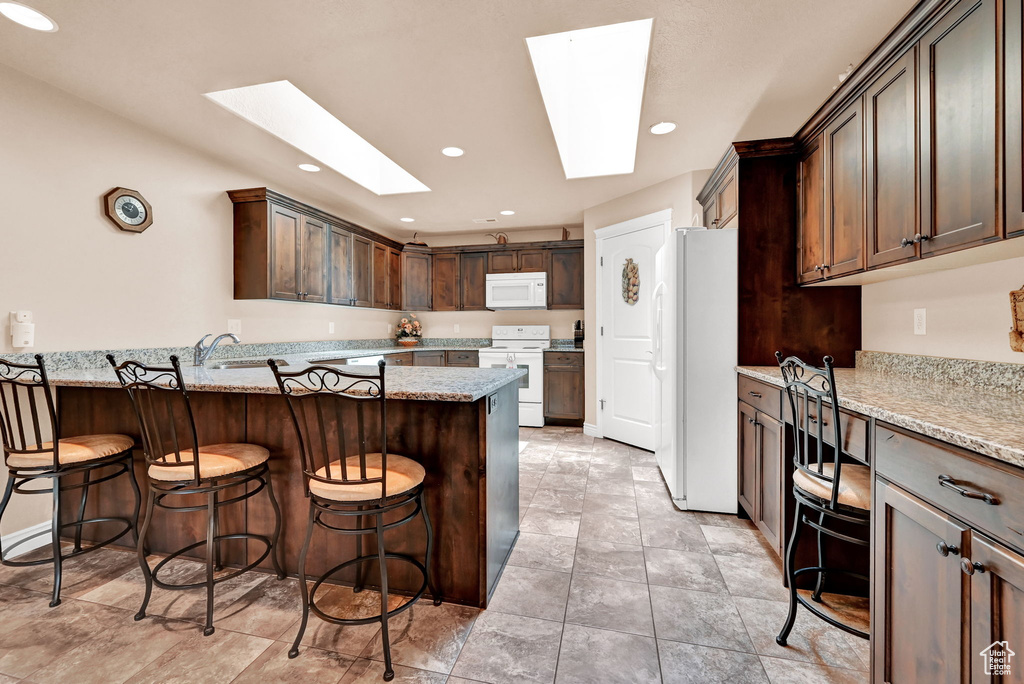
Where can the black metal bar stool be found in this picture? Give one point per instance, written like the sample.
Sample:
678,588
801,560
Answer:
24,425
322,401
838,491
178,465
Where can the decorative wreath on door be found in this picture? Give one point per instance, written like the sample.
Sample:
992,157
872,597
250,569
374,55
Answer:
630,282
1017,309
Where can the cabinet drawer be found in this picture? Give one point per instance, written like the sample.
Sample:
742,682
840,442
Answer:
855,428
428,358
916,463
464,358
556,358
765,398
399,359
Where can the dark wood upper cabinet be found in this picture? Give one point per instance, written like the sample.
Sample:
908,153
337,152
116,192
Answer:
313,250
711,214
565,284
844,192
503,262
727,201
446,282
533,260
417,293
811,201
917,606
362,270
381,285
395,278
959,117
891,156
339,248
473,280
285,232
1013,73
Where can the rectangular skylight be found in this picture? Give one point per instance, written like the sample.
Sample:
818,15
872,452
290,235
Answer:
592,82
283,110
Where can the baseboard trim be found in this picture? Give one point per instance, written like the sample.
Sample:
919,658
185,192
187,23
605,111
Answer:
591,429
41,540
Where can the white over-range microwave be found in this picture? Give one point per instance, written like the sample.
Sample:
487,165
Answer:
517,291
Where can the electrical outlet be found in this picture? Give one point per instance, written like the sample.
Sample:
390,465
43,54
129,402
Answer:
920,321
456,327
235,326
387,329
330,328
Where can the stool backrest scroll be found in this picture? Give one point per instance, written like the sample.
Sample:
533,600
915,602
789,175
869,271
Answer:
27,415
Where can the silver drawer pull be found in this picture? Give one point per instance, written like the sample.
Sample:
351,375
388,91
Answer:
756,395
814,420
949,483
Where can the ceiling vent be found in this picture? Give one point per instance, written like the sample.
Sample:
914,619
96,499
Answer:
486,220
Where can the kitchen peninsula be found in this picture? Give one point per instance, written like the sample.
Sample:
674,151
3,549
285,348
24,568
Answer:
461,424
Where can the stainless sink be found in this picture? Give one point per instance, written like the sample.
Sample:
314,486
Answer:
243,363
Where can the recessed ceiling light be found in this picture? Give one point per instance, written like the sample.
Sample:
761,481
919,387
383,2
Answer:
312,168
286,112
28,17
663,127
406,219
592,83
453,151
507,212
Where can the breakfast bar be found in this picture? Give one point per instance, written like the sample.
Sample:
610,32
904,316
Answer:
460,424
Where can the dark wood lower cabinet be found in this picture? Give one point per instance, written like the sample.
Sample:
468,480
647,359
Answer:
563,388
469,358
428,358
769,507
997,607
747,454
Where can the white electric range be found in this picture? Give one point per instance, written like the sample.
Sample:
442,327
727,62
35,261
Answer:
521,346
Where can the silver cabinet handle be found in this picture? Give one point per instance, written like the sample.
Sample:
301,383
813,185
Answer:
949,483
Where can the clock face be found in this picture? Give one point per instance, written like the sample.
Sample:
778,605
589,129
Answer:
130,210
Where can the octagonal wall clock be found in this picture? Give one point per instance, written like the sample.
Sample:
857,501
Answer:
128,209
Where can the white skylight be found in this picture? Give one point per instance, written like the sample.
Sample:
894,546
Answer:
283,110
592,82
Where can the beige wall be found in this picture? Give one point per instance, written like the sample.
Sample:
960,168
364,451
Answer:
678,194
968,312
517,235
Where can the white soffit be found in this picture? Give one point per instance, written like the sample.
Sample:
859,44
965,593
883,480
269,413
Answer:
592,82
286,112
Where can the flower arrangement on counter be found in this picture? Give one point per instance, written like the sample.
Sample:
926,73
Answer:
409,330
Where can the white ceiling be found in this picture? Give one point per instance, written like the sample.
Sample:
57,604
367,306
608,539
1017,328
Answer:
413,76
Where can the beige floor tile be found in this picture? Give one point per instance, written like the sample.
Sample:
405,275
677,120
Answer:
782,671
344,603
610,529
699,617
531,593
544,552
82,574
683,569
611,504
672,531
591,655
567,501
426,637
610,486
510,649
576,483
573,466
723,520
544,521
693,664
610,604
220,657
646,473
753,576
365,671
614,561
266,610
732,541
312,666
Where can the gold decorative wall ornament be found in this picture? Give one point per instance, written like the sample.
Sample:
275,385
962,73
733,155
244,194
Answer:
630,282
1017,309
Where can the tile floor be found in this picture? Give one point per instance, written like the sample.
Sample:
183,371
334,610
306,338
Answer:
607,583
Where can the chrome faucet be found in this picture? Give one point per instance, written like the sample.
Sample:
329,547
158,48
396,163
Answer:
203,352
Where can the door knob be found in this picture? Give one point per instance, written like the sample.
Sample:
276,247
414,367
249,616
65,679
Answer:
945,549
969,567
906,243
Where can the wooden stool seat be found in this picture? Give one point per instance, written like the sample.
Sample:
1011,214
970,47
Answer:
854,484
403,475
215,460
73,450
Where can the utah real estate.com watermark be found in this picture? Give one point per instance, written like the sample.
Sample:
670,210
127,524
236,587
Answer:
997,657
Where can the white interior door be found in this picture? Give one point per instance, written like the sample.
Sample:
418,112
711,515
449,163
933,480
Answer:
626,387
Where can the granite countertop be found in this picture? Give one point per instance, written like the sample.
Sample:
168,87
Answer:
561,348
989,422
403,382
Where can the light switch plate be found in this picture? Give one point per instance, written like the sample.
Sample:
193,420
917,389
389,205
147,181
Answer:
456,327
920,321
330,328
235,326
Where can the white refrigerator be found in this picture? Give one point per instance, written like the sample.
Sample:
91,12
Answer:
695,351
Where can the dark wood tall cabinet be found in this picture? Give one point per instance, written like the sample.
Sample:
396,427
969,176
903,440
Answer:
381,284
960,189
446,282
565,285
362,271
472,281
339,248
395,278
417,267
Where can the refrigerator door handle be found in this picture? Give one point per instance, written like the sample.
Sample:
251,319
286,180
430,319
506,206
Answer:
659,331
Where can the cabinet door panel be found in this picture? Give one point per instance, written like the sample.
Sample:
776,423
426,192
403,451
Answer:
891,118
445,284
417,281
394,278
711,214
747,454
770,464
844,192
533,260
916,592
381,287
502,262
428,358
727,199
959,191
565,284
811,236
563,392
473,281
362,271
285,226
997,606
314,260
340,251
1014,105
